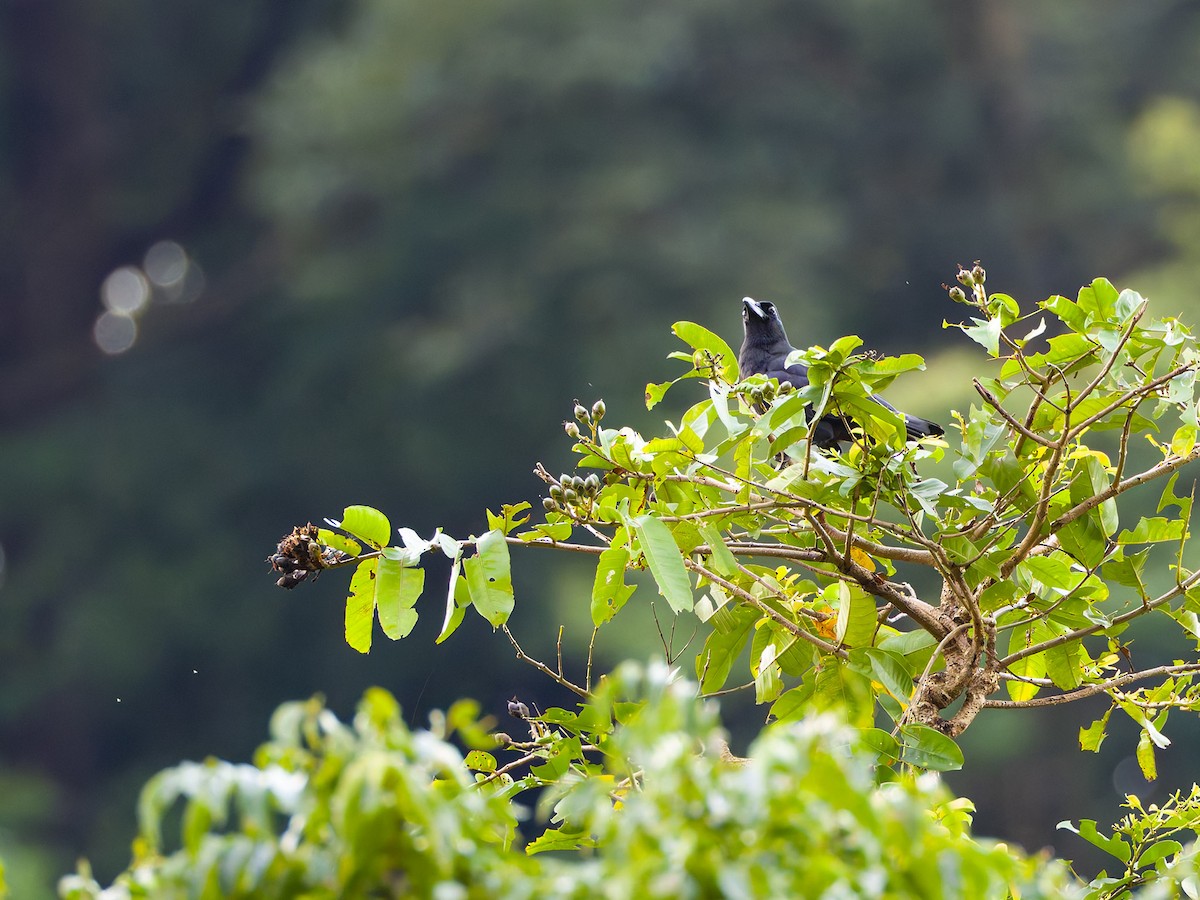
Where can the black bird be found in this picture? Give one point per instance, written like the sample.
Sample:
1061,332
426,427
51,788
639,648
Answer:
765,351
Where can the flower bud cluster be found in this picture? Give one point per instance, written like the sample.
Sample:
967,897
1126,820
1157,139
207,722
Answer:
572,492
973,279
590,418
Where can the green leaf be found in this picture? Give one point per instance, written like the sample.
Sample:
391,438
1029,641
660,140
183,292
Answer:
882,743
489,578
986,333
510,517
347,545
458,598
1152,528
655,392
928,748
1062,665
1093,736
1098,300
1090,480
723,561
360,606
1145,756
914,647
767,683
1159,850
893,365
720,400
1128,303
1183,440
480,761
555,531
367,524
841,688
996,595
1170,498
1067,310
1085,539
843,347
1052,571
556,839
448,545
856,613
722,647
793,704
1029,667
1003,307
890,671
609,590
665,561
397,588
1115,846
700,338
197,819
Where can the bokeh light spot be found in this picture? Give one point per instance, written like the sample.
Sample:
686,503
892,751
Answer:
166,263
125,291
114,332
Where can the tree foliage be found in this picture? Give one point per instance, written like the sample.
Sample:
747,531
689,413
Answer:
370,808
439,196
793,562
801,555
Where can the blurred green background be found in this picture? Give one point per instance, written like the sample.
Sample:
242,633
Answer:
262,259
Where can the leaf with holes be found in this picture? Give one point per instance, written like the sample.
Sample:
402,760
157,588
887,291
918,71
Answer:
489,578
609,590
397,588
360,606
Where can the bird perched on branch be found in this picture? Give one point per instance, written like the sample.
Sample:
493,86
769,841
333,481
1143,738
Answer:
765,351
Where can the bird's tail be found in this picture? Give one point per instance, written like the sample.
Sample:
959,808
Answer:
919,428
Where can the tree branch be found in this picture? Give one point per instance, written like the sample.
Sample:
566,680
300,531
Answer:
991,400
1163,468
543,668
1112,357
749,599
1090,690
1141,610
1143,390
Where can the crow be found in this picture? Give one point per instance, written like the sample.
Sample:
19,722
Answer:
765,351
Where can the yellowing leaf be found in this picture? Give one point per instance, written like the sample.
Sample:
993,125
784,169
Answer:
360,606
862,558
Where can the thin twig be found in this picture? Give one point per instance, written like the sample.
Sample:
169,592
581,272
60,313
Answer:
991,400
1116,351
732,690
587,680
750,600
1090,690
555,545
1144,390
543,668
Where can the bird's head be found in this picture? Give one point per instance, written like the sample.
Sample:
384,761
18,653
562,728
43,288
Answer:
761,321
760,310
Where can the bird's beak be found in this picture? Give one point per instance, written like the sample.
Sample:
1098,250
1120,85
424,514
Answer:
753,306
